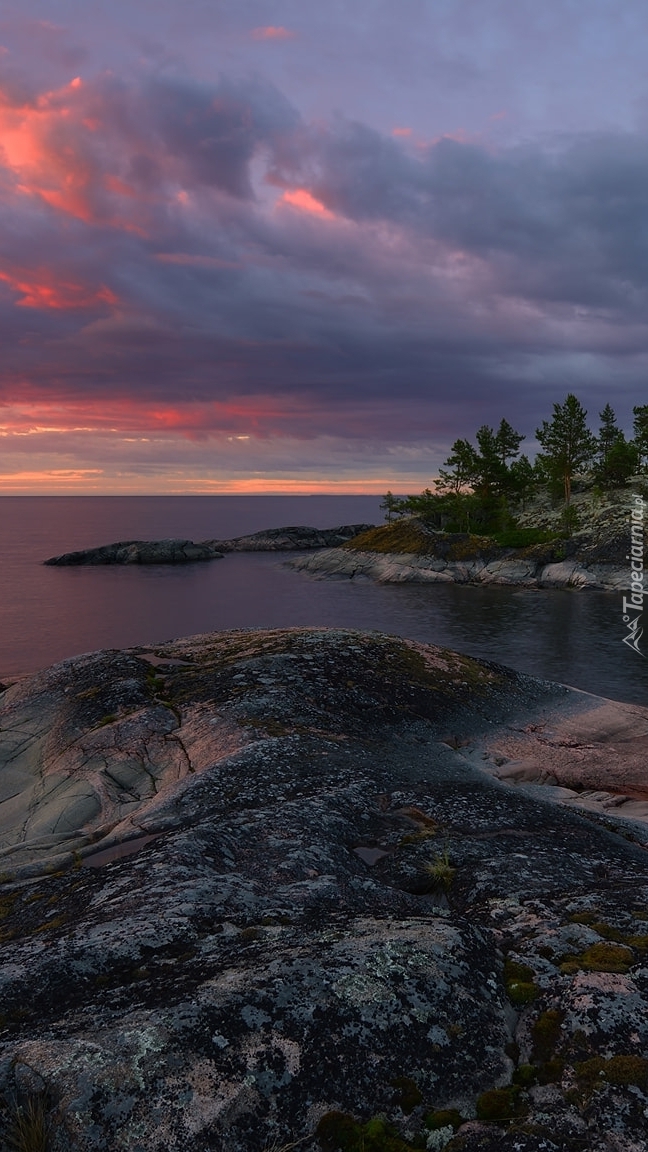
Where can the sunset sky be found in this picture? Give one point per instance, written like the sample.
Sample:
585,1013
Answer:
285,246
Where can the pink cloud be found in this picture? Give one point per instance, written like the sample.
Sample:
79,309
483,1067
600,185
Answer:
272,32
304,201
44,289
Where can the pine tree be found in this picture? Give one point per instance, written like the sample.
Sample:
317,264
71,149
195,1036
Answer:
507,442
522,476
617,458
461,467
640,428
392,506
609,434
568,444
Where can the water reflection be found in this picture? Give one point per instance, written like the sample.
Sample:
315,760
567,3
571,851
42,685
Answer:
47,614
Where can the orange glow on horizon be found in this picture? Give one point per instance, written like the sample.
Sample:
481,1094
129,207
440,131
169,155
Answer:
86,481
304,201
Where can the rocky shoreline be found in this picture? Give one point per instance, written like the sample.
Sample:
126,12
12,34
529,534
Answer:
266,887
406,567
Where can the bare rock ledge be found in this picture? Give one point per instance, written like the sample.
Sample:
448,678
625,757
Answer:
406,567
185,551
266,887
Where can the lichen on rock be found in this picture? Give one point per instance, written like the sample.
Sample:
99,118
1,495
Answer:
243,977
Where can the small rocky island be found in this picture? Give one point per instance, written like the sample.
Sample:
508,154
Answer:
411,551
186,552
320,889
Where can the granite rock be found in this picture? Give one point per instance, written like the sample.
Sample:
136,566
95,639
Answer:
290,539
138,552
254,881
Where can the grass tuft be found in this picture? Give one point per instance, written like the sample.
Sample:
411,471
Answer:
31,1126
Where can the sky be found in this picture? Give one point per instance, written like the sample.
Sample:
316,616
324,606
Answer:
255,246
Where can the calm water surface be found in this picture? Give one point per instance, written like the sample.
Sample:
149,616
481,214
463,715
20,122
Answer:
47,614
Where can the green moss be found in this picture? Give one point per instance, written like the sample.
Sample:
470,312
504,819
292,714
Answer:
6,905
470,548
602,957
520,985
443,1118
55,923
340,1132
404,536
620,1070
408,1094
523,537
586,917
627,1070
251,933
546,1034
638,943
525,1075
551,1071
499,1103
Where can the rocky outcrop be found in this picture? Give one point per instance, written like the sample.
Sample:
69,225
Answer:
291,539
139,552
405,567
264,888
185,551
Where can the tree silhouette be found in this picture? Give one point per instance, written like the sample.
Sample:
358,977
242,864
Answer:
567,442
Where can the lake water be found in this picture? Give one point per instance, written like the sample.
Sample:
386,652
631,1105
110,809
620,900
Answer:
47,614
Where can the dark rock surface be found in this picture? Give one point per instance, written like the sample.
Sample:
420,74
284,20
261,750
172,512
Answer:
185,551
291,539
247,973
138,552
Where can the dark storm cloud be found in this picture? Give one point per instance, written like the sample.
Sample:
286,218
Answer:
193,243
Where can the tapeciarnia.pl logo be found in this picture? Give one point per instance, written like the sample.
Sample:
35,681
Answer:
633,606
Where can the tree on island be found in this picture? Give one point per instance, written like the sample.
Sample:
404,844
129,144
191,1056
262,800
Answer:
461,469
640,428
392,506
567,442
616,458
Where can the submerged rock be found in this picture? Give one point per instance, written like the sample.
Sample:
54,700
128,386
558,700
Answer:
332,921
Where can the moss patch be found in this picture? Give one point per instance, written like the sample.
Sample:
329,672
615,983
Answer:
546,1034
520,985
602,957
340,1132
620,1070
404,536
499,1104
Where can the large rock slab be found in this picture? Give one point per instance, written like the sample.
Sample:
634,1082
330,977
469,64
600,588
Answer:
255,879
